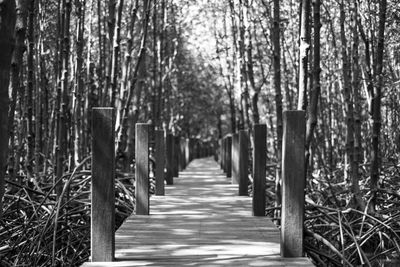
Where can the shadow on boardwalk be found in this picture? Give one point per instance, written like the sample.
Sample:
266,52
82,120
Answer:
200,222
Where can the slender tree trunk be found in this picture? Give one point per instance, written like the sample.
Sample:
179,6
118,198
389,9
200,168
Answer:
30,87
303,53
7,26
376,98
316,88
278,99
122,133
77,103
357,108
89,98
102,54
115,51
154,97
16,64
63,124
347,94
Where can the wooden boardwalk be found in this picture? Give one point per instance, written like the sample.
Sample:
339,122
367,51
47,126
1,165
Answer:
199,222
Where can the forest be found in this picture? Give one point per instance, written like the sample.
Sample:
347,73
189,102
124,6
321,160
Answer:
202,69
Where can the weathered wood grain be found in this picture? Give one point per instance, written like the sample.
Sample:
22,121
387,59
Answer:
160,161
200,222
235,158
293,183
169,143
243,163
142,182
228,155
259,169
103,175
176,155
187,151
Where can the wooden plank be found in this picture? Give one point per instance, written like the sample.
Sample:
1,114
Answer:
235,158
259,169
103,179
169,141
142,182
243,163
200,222
228,159
160,161
293,183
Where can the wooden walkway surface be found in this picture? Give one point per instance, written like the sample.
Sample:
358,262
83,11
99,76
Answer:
199,222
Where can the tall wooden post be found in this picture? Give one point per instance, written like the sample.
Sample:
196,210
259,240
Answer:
182,158
224,154
187,151
235,158
103,175
228,156
243,162
169,142
259,169
176,156
293,183
142,181
220,152
160,162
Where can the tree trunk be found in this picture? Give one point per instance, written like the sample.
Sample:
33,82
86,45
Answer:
115,51
7,24
77,105
278,100
122,133
30,87
315,91
63,123
303,53
347,94
376,98
355,83
16,64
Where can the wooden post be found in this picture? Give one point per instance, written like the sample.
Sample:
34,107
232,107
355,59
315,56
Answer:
228,156
142,181
169,142
243,162
259,169
235,158
293,183
103,175
160,162
182,158
187,151
224,154
220,152
176,156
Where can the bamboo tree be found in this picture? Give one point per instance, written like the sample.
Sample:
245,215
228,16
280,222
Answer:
303,53
377,97
7,26
30,87
63,123
116,50
15,78
355,83
347,94
278,98
122,133
77,102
